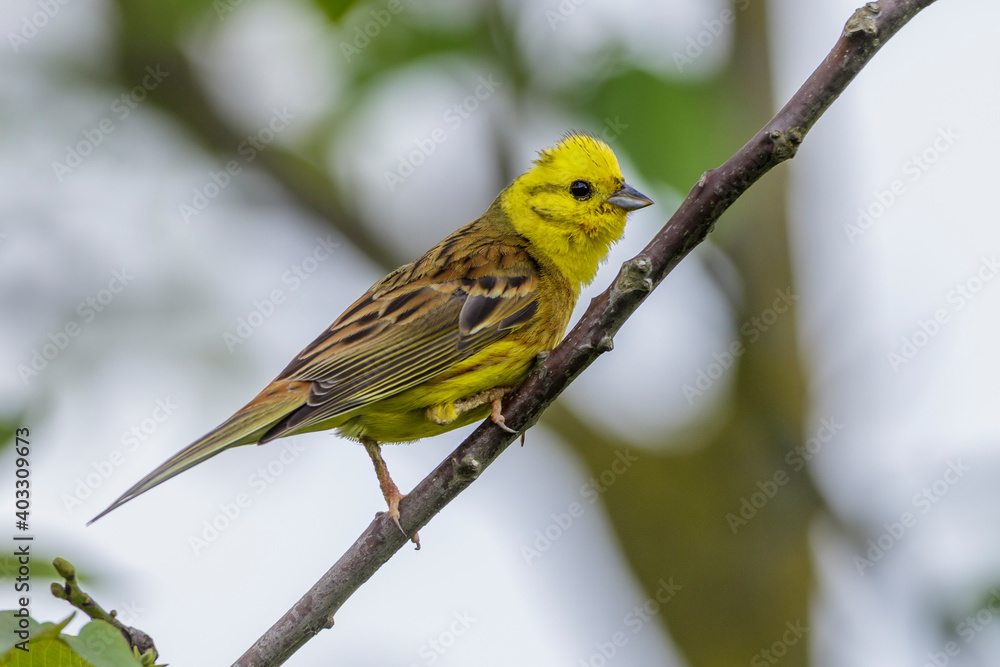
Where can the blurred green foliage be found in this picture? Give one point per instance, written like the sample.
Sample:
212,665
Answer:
676,130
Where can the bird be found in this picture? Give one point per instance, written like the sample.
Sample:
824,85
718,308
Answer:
439,342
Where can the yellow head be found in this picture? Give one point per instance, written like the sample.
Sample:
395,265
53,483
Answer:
572,205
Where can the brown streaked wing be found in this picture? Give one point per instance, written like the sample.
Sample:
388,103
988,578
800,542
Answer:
411,326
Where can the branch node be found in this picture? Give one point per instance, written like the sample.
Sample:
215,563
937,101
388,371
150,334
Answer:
634,276
606,344
863,20
786,143
466,469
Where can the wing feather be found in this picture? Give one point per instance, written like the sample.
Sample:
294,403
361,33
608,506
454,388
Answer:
414,324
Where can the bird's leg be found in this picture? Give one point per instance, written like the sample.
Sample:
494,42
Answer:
493,396
389,489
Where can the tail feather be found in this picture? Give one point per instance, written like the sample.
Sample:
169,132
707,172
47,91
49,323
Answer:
243,428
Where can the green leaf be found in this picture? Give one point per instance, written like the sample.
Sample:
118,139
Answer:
46,652
10,624
102,645
99,645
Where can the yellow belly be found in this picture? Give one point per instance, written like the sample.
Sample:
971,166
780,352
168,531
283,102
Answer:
403,417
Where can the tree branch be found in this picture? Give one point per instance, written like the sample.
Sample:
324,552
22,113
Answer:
864,34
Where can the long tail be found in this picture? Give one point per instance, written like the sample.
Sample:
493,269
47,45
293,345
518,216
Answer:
245,427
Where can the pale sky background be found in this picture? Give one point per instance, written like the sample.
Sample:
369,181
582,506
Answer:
903,429
928,94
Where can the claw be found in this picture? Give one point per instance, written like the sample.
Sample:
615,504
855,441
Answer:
498,419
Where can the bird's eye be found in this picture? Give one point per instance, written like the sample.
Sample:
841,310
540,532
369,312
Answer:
581,190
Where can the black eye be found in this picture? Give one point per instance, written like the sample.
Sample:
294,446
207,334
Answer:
581,190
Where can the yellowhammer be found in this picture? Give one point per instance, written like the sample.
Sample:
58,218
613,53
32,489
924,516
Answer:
438,343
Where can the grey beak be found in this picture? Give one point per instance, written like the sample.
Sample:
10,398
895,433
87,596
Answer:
629,198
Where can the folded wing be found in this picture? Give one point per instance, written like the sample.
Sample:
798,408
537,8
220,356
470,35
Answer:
413,325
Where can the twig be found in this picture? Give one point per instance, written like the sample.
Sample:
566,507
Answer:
864,34
72,593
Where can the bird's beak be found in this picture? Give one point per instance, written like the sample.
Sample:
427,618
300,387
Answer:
629,198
